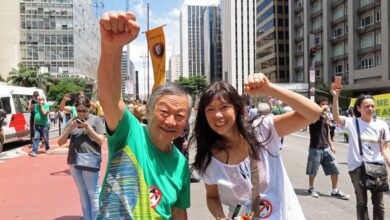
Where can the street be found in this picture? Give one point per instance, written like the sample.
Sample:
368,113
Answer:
42,188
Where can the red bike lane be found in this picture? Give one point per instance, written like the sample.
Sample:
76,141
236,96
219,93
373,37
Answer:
40,188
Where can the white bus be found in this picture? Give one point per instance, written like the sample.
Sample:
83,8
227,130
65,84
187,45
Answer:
14,100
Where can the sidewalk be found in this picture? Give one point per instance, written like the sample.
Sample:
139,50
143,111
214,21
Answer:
40,188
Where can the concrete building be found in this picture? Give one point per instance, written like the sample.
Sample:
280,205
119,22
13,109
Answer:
128,76
60,37
238,41
174,68
212,43
351,39
192,40
272,57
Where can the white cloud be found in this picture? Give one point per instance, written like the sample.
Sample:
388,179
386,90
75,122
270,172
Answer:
174,12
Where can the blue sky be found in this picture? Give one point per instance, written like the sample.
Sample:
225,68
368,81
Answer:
160,12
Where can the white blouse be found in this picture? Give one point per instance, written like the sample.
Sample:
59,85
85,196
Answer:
278,199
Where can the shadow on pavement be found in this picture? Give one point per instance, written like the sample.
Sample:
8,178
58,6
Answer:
69,218
304,192
61,173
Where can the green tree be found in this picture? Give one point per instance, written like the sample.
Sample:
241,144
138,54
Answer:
29,77
194,85
323,89
72,85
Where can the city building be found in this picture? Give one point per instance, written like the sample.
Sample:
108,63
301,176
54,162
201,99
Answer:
128,76
174,68
59,37
272,57
212,43
238,41
192,40
349,39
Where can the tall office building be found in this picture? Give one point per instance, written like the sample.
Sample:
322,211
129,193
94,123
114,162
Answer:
174,68
212,43
272,47
128,76
350,39
238,41
60,37
192,40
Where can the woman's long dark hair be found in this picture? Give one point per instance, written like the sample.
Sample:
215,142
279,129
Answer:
358,103
206,138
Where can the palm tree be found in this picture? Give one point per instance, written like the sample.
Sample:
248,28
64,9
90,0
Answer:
29,77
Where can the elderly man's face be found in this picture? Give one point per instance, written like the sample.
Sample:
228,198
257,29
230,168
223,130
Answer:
168,119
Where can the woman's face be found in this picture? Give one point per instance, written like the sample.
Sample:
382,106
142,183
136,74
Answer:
367,109
221,117
82,112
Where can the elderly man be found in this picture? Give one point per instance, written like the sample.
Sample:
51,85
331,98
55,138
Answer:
147,177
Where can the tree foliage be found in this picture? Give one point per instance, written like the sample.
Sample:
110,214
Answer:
323,90
72,85
28,77
194,85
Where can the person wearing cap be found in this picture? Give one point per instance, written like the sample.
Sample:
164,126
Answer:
41,125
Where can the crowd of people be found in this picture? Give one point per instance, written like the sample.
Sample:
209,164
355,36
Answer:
237,148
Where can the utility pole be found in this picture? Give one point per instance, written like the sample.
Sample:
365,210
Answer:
312,73
147,47
128,52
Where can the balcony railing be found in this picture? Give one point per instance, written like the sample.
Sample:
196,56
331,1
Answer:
364,29
336,3
316,14
336,39
299,39
339,57
338,20
317,30
368,50
368,6
298,24
298,9
299,53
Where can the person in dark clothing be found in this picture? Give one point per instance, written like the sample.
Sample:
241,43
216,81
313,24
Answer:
31,104
322,152
182,144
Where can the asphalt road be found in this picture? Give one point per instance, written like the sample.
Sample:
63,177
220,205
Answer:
294,155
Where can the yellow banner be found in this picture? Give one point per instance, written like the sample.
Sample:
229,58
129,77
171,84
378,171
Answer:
382,105
156,44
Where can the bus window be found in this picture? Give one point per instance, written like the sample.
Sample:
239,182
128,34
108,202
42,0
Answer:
18,106
5,104
24,100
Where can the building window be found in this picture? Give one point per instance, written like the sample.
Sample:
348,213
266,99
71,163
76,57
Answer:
378,39
299,47
365,2
366,63
317,40
378,60
338,50
338,69
338,31
366,21
366,41
378,16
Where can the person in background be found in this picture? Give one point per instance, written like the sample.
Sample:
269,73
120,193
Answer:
69,110
227,147
253,111
99,110
322,152
31,107
41,125
147,177
86,136
375,136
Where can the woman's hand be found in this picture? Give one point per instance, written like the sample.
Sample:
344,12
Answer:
256,84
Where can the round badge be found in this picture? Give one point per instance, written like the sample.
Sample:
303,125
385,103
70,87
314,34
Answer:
158,49
155,196
265,208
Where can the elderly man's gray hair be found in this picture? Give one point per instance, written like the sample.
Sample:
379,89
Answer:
169,89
